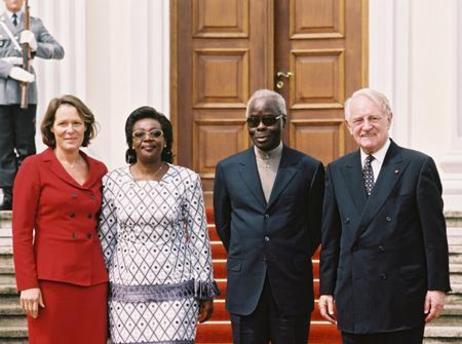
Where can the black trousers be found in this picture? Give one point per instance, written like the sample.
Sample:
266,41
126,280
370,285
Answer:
266,324
17,139
411,336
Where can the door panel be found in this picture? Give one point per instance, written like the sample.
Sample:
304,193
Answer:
224,50
323,44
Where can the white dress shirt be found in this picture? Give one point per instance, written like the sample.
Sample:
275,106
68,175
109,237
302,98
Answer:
379,156
18,16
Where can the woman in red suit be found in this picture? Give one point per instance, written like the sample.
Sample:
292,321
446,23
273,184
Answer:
59,266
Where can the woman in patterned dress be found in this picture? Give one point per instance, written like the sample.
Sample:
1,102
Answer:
155,241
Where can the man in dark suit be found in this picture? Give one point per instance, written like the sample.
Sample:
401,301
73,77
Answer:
267,202
384,257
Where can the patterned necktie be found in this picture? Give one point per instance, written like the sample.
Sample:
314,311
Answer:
368,175
15,19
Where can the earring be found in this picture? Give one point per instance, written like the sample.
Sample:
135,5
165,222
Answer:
165,146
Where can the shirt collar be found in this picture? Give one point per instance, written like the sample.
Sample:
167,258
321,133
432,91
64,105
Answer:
379,155
18,14
272,154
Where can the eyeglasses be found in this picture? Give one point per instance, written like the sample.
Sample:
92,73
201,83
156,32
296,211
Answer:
142,134
268,120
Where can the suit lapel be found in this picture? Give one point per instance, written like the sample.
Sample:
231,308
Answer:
58,170
249,175
392,169
286,171
352,173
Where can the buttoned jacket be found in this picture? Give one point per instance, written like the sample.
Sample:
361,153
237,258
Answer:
274,239
380,254
54,223
47,48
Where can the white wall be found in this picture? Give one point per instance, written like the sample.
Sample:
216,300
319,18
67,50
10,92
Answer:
117,58
414,61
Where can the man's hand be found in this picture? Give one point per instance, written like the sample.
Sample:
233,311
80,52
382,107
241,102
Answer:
30,300
434,303
28,37
326,308
205,310
21,74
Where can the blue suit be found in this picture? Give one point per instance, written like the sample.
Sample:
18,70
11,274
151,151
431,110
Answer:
273,239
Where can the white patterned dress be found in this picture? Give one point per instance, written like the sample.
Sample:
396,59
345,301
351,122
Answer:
156,246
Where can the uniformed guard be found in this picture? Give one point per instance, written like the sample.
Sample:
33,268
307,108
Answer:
17,125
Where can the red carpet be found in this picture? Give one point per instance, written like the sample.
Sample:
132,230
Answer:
218,329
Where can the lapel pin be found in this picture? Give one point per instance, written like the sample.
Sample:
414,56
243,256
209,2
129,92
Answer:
396,171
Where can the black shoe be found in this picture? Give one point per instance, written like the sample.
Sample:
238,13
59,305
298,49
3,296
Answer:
6,205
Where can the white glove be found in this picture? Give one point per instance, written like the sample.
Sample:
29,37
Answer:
14,60
20,74
28,37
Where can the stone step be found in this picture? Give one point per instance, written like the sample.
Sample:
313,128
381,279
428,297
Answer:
6,256
453,218
451,316
7,275
455,249
10,306
8,290
443,332
455,269
13,321
13,333
5,219
455,258
456,289
456,279
442,341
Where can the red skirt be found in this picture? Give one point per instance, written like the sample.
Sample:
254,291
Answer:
73,315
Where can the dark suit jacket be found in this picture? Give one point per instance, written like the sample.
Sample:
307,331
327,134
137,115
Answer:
275,239
63,215
381,254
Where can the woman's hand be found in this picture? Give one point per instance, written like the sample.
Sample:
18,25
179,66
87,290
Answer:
30,300
205,310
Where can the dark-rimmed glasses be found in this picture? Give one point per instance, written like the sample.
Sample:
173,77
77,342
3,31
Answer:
268,120
142,134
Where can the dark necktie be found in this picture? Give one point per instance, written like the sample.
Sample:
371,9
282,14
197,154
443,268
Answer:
368,175
15,19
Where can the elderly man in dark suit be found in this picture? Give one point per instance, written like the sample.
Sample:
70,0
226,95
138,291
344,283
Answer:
267,202
384,257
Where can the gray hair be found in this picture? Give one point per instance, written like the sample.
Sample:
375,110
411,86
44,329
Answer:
374,96
264,93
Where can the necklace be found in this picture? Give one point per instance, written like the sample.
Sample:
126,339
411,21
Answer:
158,170
140,175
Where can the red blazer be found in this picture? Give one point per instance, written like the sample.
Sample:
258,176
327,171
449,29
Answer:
50,204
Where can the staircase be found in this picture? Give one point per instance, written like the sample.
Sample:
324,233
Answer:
13,327
446,329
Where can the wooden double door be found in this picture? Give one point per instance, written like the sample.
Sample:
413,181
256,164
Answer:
314,52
